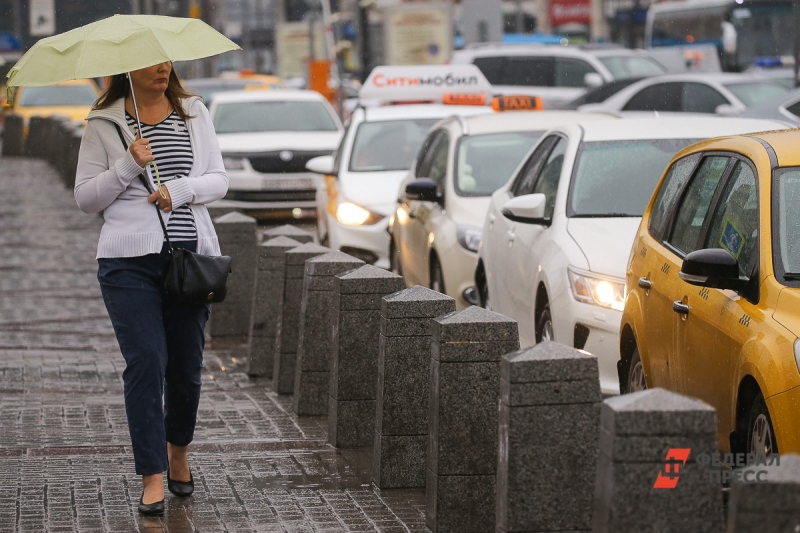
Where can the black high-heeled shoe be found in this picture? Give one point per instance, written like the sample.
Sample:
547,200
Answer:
151,509
181,488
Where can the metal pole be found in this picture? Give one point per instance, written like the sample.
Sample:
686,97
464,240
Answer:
363,19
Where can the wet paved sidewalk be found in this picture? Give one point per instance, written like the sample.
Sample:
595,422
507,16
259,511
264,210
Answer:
65,459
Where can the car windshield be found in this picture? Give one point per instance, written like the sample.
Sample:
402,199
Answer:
756,92
617,178
57,95
254,117
631,66
788,241
389,144
485,162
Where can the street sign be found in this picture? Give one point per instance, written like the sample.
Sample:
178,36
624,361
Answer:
42,17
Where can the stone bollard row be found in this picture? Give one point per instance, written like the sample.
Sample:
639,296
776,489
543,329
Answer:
287,230
267,303
312,371
356,320
288,327
549,427
237,238
771,504
463,420
404,361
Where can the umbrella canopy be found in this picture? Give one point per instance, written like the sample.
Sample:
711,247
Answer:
115,45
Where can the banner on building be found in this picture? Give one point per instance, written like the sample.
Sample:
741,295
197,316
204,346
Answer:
42,17
570,12
293,48
418,34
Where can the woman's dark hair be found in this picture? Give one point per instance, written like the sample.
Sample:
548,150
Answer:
120,87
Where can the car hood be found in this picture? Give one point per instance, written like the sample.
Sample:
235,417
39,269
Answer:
376,191
606,242
786,310
232,143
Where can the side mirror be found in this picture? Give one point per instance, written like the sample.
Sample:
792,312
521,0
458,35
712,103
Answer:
714,268
592,80
527,209
423,189
321,165
727,110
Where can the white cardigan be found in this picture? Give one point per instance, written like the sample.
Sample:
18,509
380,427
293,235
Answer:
106,180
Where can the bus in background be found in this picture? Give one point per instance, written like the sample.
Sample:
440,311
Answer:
743,31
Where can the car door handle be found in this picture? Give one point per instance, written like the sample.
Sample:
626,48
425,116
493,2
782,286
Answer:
492,217
412,214
679,307
645,284
511,235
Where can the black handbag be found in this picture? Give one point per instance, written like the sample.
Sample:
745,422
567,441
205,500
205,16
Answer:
191,278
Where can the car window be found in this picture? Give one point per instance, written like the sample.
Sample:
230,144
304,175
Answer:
337,155
438,169
734,226
794,109
485,162
523,183
492,68
631,66
570,72
424,157
57,95
786,232
547,182
529,71
755,93
694,205
669,193
273,116
388,144
659,97
701,98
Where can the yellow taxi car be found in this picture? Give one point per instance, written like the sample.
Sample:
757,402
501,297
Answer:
258,81
72,99
712,305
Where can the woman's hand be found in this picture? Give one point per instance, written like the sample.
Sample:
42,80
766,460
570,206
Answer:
141,152
165,204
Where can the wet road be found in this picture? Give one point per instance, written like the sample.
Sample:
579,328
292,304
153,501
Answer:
65,460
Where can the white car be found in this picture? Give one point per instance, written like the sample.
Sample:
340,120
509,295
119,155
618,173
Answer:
558,235
266,139
557,74
722,93
436,229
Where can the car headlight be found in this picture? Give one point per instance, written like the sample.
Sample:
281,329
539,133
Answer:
351,214
469,237
592,289
233,163
797,353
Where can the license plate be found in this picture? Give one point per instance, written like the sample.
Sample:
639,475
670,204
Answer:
286,185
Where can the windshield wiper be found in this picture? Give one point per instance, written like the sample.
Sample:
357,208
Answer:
791,275
605,215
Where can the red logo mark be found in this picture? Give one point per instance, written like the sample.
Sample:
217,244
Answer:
668,478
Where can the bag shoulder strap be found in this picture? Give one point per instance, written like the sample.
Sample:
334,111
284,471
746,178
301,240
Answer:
147,188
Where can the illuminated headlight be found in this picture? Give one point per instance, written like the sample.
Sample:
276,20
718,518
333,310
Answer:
351,214
797,353
592,289
469,237
233,163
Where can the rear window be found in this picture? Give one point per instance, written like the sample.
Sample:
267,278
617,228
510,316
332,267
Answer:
254,117
57,95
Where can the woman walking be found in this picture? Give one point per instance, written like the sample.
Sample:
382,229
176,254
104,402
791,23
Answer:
161,340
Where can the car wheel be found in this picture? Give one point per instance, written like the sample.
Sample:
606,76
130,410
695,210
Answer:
636,379
544,326
760,433
394,260
437,278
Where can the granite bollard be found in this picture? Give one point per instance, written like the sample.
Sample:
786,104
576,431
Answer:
287,230
637,431
312,371
289,318
549,428
356,320
404,362
237,238
769,499
461,475
267,303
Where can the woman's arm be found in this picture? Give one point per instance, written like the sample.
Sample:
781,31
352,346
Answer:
212,185
96,185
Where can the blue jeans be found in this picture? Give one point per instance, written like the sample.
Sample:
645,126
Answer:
162,343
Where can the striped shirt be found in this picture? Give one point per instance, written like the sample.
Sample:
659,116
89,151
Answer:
172,149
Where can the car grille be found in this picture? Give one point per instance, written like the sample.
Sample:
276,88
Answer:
272,196
272,163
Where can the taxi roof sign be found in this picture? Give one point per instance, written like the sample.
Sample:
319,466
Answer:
517,102
423,82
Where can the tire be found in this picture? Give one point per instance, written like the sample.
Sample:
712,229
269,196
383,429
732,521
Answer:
544,325
437,277
636,378
760,433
